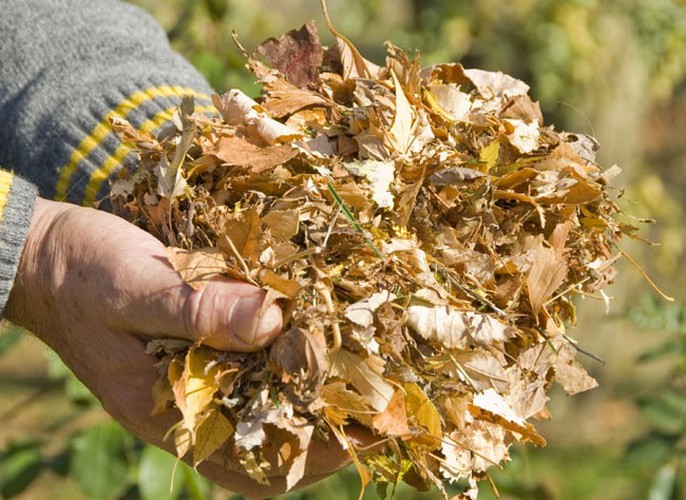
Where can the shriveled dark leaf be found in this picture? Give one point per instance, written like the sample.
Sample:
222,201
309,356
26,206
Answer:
297,54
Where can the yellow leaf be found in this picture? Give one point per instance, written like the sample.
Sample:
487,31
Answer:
196,385
490,154
342,404
424,412
213,432
161,395
182,441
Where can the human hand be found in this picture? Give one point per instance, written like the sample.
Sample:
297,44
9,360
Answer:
93,287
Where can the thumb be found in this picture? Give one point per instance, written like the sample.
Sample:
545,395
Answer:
231,315
226,314
154,301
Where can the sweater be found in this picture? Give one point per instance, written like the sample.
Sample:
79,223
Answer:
67,67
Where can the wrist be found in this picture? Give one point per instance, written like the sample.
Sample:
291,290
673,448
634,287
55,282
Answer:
31,292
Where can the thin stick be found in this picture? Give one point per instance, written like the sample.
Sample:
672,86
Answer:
337,337
646,277
299,255
240,259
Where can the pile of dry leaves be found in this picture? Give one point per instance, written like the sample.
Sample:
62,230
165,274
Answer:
424,233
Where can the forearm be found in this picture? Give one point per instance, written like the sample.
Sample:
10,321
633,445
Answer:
67,67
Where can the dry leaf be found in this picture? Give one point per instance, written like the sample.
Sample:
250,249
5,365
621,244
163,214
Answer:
545,276
283,224
489,405
234,150
393,420
363,377
197,267
380,175
424,235
570,374
236,107
245,234
401,129
211,433
455,329
297,54
423,412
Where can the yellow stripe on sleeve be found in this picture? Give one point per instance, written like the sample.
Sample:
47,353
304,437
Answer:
109,164
6,179
100,131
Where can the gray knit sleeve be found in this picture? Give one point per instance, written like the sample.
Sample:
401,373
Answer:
17,198
66,68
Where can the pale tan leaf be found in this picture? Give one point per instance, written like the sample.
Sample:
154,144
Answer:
170,181
401,128
379,174
283,224
484,369
570,374
363,377
487,442
197,267
458,459
238,109
455,329
546,275
495,84
362,312
454,104
523,136
393,420
491,406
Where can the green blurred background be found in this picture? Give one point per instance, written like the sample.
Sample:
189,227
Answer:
614,69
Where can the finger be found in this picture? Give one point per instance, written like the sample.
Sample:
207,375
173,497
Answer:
148,297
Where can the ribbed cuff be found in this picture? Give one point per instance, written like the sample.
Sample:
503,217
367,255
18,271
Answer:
17,199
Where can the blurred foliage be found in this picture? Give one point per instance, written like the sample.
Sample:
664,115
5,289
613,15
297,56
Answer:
663,448
101,457
614,69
